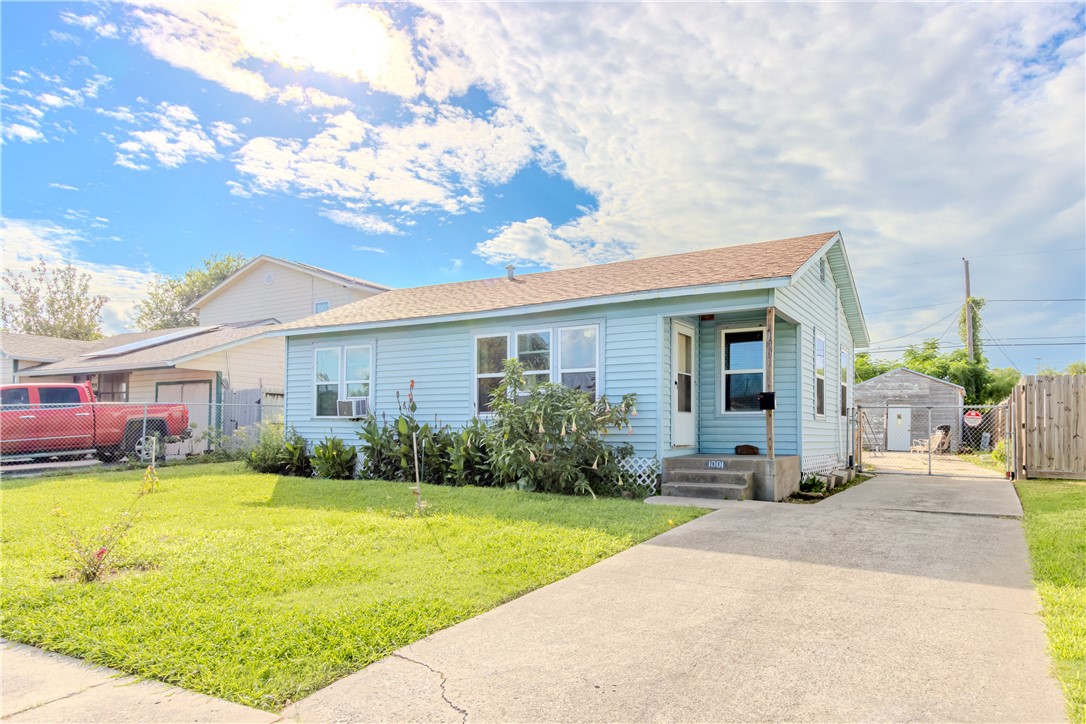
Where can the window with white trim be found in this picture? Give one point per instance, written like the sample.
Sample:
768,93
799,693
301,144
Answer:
490,354
341,373
322,306
743,369
578,366
534,355
844,381
820,375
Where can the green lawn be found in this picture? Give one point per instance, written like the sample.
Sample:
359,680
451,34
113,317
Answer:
261,589
1055,525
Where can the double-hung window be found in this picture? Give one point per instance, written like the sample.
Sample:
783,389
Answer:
567,355
579,358
743,369
534,355
844,381
490,354
341,373
820,375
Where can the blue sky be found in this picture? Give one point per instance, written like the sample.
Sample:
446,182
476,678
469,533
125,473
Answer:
418,144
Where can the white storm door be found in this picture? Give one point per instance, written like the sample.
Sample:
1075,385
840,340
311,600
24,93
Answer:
899,428
684,367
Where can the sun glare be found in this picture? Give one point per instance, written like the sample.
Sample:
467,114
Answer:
351,41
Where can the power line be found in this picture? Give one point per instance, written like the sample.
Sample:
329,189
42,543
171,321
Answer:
961,346
902,309
1071,299
910,334
986,256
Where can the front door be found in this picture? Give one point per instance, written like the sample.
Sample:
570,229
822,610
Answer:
898,428
684,371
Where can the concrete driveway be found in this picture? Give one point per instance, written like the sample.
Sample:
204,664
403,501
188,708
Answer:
901,599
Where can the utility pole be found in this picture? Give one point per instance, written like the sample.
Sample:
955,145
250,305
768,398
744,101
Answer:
968,313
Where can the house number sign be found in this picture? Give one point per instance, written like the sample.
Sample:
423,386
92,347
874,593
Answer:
715,464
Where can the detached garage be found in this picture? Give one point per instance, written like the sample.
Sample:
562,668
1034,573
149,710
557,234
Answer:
895,409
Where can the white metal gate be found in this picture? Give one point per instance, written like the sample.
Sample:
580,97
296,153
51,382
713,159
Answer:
958,441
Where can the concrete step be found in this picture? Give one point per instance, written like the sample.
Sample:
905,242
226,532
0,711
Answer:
712,477
713,462
712,491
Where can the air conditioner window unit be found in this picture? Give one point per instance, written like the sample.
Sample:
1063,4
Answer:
352,408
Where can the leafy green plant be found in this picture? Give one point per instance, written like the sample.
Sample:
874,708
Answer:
812,484
468,457
294,457
380,452
267,447
334,459
552,438
999,452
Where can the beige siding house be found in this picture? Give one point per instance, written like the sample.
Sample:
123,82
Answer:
282,290
226,369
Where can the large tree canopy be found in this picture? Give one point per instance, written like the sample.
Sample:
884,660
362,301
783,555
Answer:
54,302
168,296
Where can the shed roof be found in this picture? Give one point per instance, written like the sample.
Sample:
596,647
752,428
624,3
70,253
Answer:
725,265
900,370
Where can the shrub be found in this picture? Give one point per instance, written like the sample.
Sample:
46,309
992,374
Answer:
812,484
334,459
267,446
999,452
468,457
294,457
551,438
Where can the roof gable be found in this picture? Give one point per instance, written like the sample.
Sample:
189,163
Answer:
898,371
747,263
331,276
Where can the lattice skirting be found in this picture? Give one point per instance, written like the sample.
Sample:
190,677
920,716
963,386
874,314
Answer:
643,472
819,464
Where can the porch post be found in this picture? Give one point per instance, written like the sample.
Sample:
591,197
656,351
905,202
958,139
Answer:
770,318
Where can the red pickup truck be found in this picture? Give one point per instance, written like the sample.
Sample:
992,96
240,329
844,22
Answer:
61,420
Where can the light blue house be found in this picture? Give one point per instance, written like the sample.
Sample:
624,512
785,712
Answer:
689,333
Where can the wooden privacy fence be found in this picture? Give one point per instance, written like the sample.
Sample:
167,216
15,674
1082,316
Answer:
1049,416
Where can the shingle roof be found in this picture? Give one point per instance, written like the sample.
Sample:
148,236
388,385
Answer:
39,348
748,262
161,355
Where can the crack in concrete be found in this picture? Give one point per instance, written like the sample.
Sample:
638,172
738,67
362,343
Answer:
463,712
59,698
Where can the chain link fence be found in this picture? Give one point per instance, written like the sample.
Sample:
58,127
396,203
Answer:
116,431
969,440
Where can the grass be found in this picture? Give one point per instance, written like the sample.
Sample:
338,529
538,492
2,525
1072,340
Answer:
1055,523
261,590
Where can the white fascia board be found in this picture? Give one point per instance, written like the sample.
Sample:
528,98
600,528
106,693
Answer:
753,285
28,358
47,372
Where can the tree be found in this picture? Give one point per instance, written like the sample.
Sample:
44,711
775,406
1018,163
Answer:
1075,368
52,302
1000,384
867,367
168,296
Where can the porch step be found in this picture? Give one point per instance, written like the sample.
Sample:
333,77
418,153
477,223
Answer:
715,463
715,484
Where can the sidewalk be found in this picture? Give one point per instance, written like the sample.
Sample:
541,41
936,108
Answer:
38,686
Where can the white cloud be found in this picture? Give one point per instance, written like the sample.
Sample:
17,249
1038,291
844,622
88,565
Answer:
369,223
90,22
22,132
175,138
62,187
370,249
26,241
439,162
238,44
40,95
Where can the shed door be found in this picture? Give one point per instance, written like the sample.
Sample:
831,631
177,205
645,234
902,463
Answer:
898,428
684,371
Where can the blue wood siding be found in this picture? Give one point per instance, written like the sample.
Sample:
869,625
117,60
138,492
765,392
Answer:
813,303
